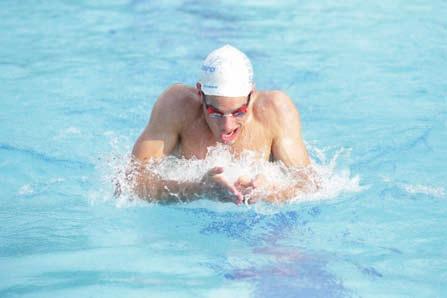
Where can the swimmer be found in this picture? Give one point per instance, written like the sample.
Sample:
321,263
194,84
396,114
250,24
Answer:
224,107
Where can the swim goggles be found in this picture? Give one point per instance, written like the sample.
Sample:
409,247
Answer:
216,114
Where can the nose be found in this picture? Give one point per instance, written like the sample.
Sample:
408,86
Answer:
228,124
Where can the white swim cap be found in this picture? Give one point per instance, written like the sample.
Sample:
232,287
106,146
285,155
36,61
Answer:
227,71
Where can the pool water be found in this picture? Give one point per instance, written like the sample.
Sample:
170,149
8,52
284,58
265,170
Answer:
78,81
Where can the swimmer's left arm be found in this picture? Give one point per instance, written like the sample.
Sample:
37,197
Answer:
260,188
287,147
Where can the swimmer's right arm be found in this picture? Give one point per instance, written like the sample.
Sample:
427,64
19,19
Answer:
159,139
152,187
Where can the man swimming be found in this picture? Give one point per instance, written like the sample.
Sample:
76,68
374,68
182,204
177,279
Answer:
224,107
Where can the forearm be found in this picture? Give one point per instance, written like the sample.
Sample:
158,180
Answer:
277,194
152,187
147,184
303,181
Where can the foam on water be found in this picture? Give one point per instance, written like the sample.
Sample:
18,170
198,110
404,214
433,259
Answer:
437,192
329,175
421,189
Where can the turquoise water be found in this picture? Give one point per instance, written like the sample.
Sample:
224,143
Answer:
78,81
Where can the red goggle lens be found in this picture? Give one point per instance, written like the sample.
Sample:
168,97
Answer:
215,113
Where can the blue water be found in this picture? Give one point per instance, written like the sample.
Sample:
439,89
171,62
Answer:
78,81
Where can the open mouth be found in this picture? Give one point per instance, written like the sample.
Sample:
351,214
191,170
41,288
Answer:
230,136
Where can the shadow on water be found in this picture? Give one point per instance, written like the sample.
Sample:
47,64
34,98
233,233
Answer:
273,268
294,276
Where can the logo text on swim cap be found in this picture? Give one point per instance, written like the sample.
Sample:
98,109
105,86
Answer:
208,68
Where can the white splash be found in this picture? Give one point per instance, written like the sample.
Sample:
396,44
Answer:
335,178
332,181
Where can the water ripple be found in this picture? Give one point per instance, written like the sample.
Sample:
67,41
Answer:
45,157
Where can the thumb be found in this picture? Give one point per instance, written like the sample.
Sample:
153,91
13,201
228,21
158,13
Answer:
215,171
259,181
243,181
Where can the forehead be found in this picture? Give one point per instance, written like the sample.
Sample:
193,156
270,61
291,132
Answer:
225,103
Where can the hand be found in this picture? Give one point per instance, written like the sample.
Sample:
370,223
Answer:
214,180
252,189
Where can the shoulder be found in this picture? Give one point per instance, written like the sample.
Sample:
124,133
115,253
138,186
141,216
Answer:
178,96
275,106
178,103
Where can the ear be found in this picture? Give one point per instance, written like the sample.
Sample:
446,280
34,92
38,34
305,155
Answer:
198,87
199,91
253,93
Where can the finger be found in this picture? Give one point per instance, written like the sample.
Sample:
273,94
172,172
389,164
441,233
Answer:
243,180
234,198
215,171
226,185
238,200
244,185
258,181
253,200
212,173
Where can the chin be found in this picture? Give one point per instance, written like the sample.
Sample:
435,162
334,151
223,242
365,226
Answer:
228,142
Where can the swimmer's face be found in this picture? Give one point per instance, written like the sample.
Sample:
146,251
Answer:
225,116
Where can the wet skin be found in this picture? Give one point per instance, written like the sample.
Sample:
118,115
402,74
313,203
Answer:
185,122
